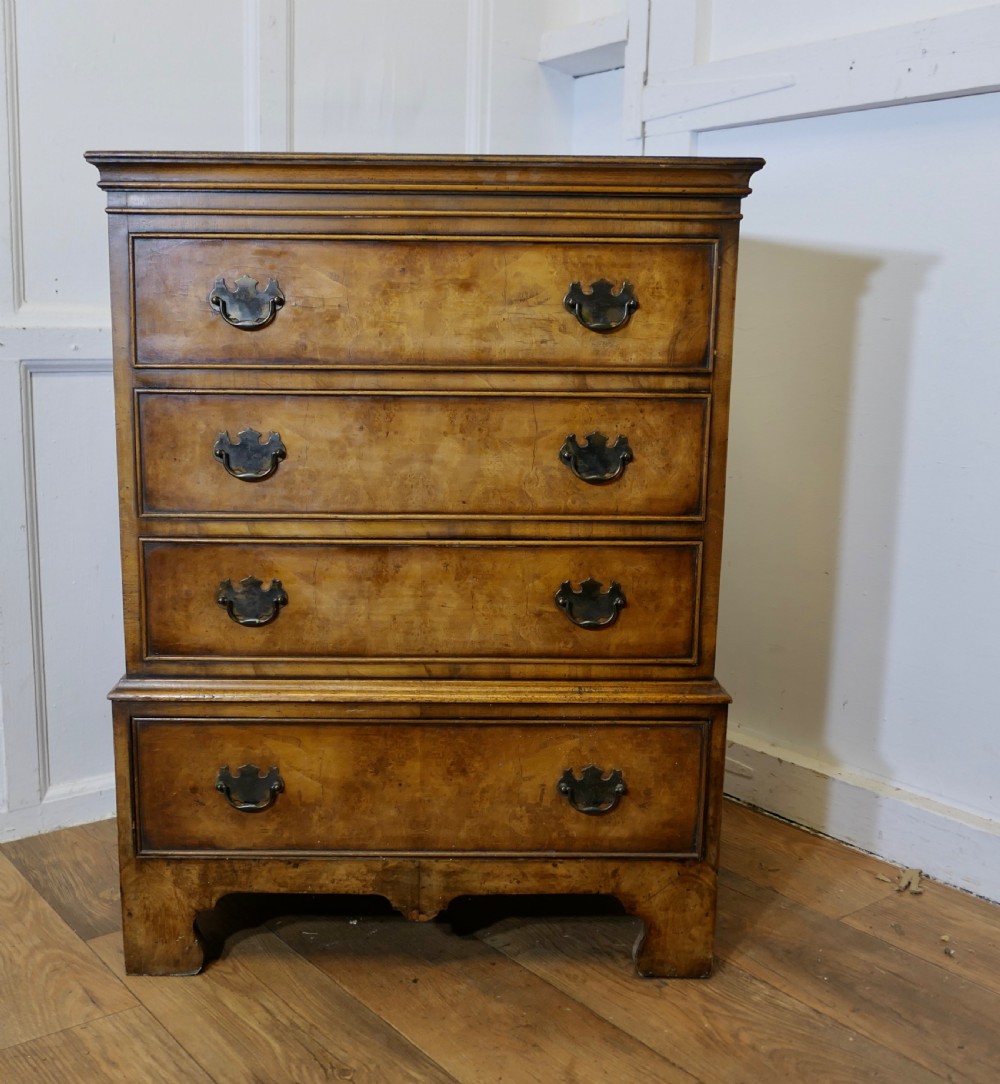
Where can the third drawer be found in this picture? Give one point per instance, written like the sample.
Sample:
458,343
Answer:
432,600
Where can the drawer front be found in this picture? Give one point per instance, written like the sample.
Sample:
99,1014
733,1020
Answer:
349,302
434,601
422,455
444,787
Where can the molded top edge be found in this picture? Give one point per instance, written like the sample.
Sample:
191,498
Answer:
207,171
488,160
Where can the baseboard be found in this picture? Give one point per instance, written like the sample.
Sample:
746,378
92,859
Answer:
905,828
81,802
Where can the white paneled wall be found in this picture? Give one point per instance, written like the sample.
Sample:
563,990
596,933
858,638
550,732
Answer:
115,75
71,436
389,76
857,625
76,77
861,577
379,81
736,28
858,630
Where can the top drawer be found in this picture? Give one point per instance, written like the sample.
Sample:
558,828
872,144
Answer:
423,303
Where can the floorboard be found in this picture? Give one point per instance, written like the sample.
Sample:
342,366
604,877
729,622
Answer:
49,979
259,1007
945,927
825,972
127,1046
76,872
831,880
730,1028
473,1010
941,1020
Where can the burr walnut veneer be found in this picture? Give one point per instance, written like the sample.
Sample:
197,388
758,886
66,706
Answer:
422,464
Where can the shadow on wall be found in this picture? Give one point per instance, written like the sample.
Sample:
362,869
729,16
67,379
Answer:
822,361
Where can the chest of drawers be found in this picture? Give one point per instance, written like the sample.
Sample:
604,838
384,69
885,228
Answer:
422,465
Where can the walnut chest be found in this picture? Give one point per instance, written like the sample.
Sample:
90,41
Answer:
422,464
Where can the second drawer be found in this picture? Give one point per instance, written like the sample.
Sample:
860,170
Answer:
456,455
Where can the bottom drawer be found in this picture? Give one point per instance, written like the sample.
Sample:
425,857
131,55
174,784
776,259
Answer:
434,787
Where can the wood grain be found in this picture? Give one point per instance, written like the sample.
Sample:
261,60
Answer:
953,930
378,787
465,276
259,1008
475,1012
482,454
798,995
802,866
918,1008
422,602
50,979
733,1027
432,302
127,1046
76,873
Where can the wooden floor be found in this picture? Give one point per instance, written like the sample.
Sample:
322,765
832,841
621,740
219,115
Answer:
829,971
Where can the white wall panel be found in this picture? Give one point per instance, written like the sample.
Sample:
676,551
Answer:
860,590
60,648
867,333
857,626
531,106
110,75
597,115
72,435
18,744
380,76
738,28
429,76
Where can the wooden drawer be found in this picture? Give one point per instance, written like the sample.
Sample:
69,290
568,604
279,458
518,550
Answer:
434,601
371,787
419,455
415,303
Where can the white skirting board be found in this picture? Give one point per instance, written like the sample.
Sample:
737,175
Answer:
87,800
907,829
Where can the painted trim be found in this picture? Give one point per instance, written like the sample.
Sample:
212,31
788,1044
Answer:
586,48
636,66
958,847
10,178
82,802
36,635
268,67
37,316
251,75
23,712
946,57
478,72
18,744
69,345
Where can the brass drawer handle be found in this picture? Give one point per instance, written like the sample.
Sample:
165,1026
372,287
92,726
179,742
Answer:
594,792
249,604
248,790
594,461
602,309
590,607
246,306
249,458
